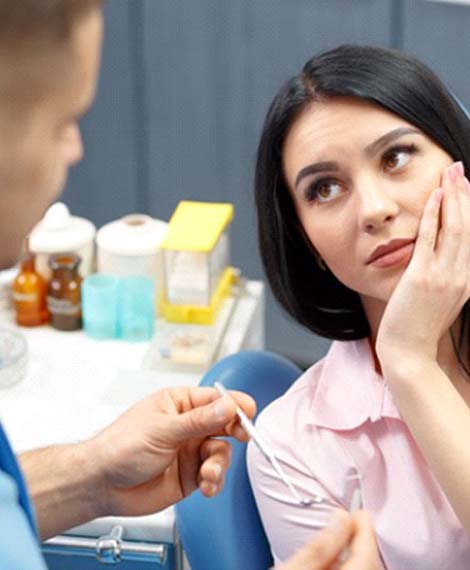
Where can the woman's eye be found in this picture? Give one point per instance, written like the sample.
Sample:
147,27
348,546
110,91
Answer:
323,191
397,158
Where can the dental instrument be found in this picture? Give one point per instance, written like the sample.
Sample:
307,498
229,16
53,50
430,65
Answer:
250,429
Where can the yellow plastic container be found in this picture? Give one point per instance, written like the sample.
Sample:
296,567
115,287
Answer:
195,259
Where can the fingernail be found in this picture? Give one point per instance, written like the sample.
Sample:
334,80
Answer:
451,174
336,522
217,469
208,488
459,168
221,409
467,184
240,433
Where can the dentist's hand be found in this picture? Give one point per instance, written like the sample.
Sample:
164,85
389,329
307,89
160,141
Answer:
324,552
162,449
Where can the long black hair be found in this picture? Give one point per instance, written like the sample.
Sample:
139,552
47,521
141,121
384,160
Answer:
388,78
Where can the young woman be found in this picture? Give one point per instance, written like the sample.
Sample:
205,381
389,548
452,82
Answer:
364,224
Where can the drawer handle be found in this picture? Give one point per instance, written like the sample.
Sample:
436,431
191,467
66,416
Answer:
110,548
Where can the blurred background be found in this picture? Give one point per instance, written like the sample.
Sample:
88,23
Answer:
184,89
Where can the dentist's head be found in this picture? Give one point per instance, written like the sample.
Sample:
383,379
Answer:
49,61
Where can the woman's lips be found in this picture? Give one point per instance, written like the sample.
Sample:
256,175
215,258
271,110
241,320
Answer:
396,257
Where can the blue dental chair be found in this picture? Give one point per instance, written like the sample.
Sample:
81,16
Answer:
225,532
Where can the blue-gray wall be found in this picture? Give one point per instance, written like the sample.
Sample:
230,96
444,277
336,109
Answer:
184,89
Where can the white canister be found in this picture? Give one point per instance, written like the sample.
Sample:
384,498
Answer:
60,232
131,246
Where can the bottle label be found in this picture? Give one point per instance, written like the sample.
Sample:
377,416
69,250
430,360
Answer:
62,306
25,297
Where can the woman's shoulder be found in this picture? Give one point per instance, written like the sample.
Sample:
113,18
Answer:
297,398
319,395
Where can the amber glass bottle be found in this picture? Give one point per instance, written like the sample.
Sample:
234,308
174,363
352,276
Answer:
29,294
63,295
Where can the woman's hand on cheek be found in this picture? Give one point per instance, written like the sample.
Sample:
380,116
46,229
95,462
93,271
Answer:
435,285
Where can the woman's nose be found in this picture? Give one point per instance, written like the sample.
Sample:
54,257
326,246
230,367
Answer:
376,205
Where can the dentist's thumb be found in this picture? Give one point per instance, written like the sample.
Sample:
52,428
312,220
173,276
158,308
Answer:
200,422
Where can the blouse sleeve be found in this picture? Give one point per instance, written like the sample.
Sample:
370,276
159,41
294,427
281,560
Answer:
288,525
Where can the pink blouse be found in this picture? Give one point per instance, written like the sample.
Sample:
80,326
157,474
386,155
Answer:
337,421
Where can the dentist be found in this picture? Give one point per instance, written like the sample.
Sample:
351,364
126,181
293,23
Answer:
49,62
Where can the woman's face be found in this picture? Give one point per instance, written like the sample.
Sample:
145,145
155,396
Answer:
360,177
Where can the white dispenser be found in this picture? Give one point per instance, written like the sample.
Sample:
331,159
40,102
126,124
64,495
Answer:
59,232
131,246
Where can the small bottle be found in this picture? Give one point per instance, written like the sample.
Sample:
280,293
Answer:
63,295
29,293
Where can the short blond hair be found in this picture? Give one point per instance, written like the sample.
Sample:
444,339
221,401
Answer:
34,35
24,22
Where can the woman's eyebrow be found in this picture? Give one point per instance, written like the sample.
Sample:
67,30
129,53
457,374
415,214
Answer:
314,168
373,148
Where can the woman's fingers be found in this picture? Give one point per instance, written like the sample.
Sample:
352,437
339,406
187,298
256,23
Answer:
463,206
444,232
453,249
428,230
451,232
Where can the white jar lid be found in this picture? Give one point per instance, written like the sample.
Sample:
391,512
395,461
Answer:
59,231
136,234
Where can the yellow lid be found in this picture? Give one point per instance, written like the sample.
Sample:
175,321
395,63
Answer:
196,226
196,315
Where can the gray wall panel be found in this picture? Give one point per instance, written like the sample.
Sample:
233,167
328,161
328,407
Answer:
104,185
438,34
212,68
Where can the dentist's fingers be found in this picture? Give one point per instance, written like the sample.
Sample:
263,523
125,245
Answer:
216,456
363,552
323,550
202,413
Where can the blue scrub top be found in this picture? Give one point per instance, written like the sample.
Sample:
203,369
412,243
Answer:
19,547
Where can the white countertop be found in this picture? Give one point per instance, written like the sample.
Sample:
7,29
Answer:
76,386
